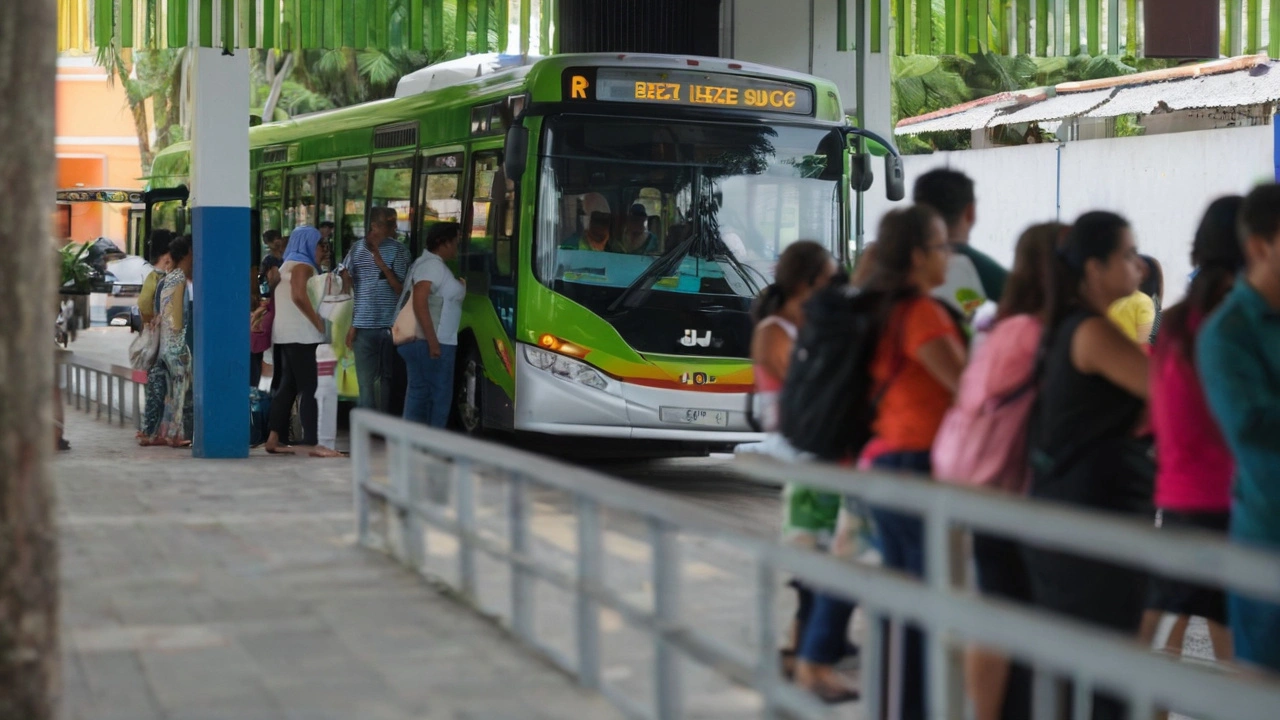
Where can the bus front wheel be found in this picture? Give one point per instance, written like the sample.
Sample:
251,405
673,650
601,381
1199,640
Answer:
470,392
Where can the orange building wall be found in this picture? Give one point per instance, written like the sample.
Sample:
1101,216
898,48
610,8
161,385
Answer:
97,145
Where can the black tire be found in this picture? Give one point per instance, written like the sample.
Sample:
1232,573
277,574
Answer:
468,402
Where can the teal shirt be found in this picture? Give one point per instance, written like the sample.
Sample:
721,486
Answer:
1238,357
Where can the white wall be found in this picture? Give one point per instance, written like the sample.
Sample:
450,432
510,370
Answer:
1161,183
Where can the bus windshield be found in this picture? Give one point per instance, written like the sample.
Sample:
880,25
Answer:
668,230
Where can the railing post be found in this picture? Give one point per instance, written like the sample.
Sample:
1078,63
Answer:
590,563
408,493
767,670
76,371
522,597
1046,695
120,398
873,664
97,396
466,510
945,689
359,475
138,408
669,695
111,396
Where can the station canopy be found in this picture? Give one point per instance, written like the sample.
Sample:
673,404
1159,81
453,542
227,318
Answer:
478,26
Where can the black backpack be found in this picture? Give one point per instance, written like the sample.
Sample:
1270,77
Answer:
827,406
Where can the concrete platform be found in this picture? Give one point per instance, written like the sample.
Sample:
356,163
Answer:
231,590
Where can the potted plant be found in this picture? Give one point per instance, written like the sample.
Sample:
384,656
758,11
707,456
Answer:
77,273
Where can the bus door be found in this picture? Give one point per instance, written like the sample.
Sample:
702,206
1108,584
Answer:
490,250
300,199
353,193
270,211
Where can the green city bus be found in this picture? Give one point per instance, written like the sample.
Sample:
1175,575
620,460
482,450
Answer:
701,170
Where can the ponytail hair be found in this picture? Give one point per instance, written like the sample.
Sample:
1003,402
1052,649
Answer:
1218,257
801,264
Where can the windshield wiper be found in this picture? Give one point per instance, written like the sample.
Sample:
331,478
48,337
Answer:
659,267
744,271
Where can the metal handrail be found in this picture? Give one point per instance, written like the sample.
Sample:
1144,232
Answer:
82,380
1093,658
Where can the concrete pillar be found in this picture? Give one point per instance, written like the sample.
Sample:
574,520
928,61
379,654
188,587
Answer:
220,225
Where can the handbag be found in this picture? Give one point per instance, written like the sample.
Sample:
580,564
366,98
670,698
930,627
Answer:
406,328
146,347
330,301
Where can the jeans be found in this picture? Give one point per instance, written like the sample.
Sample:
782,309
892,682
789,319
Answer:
902,546
297,382
375,358
430,394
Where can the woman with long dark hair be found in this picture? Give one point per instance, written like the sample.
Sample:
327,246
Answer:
809,515
915,369
1084,447
1193,482
1001,372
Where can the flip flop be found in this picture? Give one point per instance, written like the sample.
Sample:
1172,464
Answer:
278,451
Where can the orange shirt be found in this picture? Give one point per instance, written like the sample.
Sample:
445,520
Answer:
912,406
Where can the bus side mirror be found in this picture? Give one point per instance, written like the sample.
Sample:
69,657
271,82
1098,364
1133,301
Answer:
516,154
860,175
895,185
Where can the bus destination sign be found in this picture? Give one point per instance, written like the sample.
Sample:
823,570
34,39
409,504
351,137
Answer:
690,89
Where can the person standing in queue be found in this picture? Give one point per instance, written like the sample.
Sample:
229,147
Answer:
1238,357
809,515
1085,448
175,427
915,372
1193,480
437,297
375,269
297,330
973,278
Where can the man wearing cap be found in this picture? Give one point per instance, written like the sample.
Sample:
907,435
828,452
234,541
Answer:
636,238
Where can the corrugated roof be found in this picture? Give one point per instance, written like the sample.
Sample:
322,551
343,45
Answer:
970,119
1055,108
1255,81
1245,87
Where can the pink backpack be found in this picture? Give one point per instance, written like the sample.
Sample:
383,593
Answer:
983,438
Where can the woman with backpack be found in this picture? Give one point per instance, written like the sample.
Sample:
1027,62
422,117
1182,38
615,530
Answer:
1193,481
982,443
1085,448
809,516
914,372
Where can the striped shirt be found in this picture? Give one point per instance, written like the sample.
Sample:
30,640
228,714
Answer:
375,299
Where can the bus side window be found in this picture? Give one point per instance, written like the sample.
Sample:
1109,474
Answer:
300,201
491,239
354,187
393,188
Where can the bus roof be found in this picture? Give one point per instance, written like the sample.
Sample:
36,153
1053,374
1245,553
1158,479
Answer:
458,84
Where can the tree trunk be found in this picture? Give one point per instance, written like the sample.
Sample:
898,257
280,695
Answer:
137,106
277,84
29,662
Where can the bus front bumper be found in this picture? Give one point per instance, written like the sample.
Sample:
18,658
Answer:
556,405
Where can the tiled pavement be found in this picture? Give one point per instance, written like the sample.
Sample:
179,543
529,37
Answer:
231,590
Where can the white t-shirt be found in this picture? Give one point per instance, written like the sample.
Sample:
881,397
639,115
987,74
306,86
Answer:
447,293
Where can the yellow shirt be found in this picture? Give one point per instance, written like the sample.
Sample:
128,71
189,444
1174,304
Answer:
1132,312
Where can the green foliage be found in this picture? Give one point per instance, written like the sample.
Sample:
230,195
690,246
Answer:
75,271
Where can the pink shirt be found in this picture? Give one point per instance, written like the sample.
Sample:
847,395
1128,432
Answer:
1195,465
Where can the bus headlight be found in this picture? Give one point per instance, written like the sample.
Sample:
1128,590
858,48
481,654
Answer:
565,367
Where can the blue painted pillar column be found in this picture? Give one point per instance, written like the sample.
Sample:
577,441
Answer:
220,224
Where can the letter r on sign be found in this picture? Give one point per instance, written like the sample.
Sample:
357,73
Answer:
578,88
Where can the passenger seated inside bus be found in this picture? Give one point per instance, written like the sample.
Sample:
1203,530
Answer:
637,239
598,236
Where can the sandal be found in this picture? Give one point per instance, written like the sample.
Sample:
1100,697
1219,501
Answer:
63,445
836,695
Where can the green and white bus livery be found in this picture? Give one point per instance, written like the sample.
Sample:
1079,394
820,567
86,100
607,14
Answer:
619,214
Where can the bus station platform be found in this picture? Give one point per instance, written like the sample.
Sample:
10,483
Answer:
220,590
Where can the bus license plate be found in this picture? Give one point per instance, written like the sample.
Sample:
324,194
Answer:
691,416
